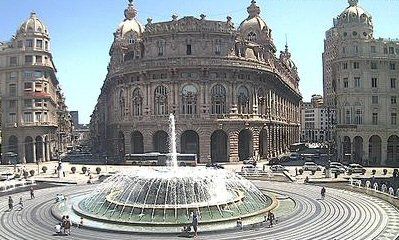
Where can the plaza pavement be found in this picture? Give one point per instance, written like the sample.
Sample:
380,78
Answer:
341,215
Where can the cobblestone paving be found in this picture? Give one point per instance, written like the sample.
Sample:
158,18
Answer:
341,215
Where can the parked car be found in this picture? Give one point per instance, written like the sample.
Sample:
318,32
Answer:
6,176
311,166
337,169
215,165
356,168
338,164
278,168
249,168
249,161
273,161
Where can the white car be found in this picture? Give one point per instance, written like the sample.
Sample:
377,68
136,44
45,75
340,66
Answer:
356,168
337,169
338,164
249,168
278,168
311,166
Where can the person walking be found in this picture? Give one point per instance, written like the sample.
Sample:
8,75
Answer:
10,203
270,217
21,204
323,192
195,223
67,227
32,193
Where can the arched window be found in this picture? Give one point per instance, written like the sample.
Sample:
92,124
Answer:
189,99
243,100
137,101
218,93
160,45
122,103
161,101
251,36
262,99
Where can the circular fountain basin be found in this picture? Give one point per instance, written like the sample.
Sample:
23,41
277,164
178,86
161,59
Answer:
167,197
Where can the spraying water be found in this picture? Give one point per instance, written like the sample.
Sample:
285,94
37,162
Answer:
172,141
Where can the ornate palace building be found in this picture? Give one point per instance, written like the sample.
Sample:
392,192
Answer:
35,121
361,79
232,97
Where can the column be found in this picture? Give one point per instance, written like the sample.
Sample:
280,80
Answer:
204,147
48,150
34,150
128,145
147,140
384,151
233,146
255,141
366,150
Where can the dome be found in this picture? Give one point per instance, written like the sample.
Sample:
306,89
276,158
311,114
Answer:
254,25
254,28
33,24
354,15
130,24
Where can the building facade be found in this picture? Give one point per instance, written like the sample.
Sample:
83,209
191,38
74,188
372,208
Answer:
231,96
35,121
361,75
317,121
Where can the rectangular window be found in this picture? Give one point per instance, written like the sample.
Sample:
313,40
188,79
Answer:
373,65
397,51
12,104
348,117
188,50
346,83
393,118
393,82
39,59
28,59
38,117
391,50
28,86
392,66
375,118
45,45
13,61
385,50
38,102
374,82
39,43
19,44
374,99
28,117
28,103
13,76
38,74
393,99
345,65
29,43
12,118
356,65
12,90
28,75
45,117
357,82
373,49
38,87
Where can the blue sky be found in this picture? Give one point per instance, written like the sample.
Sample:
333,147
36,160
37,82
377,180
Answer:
81,33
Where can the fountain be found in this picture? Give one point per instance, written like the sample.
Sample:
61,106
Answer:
162,199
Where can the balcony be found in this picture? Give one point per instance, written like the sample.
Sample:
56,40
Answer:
346,126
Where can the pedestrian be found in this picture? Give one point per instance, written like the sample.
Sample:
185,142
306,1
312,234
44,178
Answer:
57,228
195,223
323,192
32,193
80,223
270,217
10,203
21,204
63,223
239,224
63,173
67,226
296,171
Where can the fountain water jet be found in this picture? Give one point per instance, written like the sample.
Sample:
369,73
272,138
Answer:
172,141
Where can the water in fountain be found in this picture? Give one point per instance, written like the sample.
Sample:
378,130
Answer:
172,141
159,197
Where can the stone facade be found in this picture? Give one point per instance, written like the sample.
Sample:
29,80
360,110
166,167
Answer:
231,96
35,121
361,79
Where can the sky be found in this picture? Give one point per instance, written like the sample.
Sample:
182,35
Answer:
81,33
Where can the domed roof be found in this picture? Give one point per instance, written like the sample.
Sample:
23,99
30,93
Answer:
33,24
254,23
354,14
130,24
